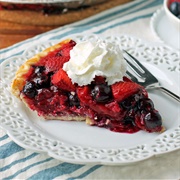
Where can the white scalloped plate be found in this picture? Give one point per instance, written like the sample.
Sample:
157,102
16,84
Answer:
77,142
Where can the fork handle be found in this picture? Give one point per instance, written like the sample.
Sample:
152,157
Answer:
174,96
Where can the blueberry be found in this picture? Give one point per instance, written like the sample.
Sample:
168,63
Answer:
47,10
127,103
128,120
53,10
145,104
175,8
152,120
42,81
39,70
73,99
29,90
101,93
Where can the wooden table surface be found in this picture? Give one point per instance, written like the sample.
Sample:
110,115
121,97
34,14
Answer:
11,33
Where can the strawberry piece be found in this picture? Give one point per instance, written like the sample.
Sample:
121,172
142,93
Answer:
62,80
110,109
122,90
84,94
126,79
55,59
53,64
99,80
65,51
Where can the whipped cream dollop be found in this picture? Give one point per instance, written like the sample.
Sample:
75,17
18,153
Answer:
95,58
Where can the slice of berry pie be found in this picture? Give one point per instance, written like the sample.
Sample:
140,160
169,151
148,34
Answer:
85,82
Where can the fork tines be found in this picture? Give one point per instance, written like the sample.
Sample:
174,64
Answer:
140,74
144,70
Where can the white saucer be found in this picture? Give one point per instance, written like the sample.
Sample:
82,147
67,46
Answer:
164,30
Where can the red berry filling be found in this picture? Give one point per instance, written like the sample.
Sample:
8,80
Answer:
121,107
46,9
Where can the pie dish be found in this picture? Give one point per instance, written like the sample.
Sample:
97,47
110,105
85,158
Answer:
52,12
45,87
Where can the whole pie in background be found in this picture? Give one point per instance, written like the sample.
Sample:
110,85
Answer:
52,14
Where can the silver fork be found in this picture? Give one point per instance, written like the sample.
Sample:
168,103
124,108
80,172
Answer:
149,81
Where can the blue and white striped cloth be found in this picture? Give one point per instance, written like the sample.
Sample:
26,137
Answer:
19,163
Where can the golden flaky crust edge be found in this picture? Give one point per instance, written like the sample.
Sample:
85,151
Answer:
20,80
